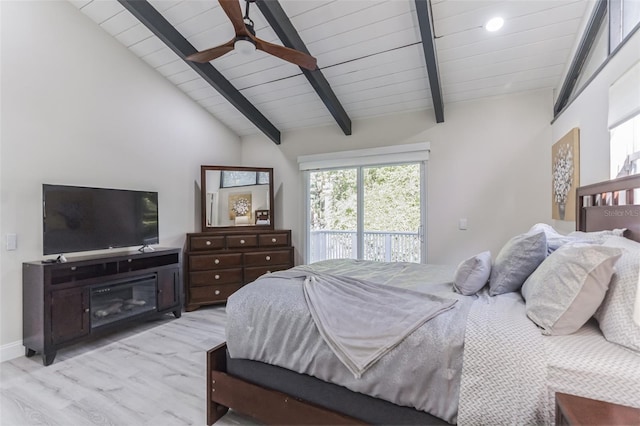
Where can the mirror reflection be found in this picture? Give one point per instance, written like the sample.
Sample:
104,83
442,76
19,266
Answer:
236,196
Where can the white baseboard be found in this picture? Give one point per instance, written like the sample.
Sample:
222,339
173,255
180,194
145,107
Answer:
11,351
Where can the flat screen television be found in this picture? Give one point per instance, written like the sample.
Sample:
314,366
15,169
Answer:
76,218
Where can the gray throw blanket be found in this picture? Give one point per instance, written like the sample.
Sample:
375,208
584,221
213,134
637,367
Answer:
269,321
361,321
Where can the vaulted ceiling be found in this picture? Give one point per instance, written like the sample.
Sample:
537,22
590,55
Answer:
371,57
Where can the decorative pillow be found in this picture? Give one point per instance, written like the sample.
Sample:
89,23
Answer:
569,286
554,239
595,237
519,257
472,274
615,315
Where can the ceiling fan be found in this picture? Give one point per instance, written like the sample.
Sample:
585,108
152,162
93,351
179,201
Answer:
245,40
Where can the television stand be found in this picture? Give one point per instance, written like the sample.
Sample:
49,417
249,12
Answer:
65,303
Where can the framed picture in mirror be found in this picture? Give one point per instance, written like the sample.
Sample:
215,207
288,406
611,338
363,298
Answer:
262,217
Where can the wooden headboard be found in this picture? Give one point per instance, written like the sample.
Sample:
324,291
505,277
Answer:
608,205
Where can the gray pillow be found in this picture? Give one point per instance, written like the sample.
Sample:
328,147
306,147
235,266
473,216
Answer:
472,274
615,315
519,257
569,286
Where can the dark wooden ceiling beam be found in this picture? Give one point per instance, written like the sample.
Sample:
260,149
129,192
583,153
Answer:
423,10
158,25
287,33
584,48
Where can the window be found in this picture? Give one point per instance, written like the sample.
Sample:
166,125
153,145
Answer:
362,206
624,123
371,213
625,148
624,16
234,178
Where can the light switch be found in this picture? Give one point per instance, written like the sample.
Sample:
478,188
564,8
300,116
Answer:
12,241
462,224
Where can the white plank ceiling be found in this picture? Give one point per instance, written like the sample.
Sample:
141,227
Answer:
369,51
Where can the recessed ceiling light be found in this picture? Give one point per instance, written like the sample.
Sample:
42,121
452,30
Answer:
494,24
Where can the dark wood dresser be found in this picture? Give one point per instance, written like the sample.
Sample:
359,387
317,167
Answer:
217,263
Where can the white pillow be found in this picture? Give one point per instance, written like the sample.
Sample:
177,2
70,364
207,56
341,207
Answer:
569,286
596,237
472,274
615,315
555,240
517,259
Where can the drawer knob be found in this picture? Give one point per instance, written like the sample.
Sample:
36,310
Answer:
241,241
216,261
208,243
217,277
73,268
130,260
268,258
274,240
86,309
217,292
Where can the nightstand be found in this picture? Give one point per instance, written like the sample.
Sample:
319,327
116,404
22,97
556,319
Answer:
575,410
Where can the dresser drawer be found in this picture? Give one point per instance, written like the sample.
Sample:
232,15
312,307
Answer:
252,274
241,241
272,257
212,293
273,240
221,276
205,242
202,262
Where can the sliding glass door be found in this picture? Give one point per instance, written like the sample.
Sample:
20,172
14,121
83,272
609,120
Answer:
392,213
368,212
333,214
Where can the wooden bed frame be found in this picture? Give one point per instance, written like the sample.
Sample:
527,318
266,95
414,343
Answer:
611,204
601,206
225,391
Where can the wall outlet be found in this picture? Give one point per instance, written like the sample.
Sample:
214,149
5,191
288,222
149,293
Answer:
462,224
12,242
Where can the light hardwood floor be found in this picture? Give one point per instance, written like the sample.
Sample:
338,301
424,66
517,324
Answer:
149,374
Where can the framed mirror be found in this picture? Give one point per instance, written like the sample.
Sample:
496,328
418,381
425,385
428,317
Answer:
236,197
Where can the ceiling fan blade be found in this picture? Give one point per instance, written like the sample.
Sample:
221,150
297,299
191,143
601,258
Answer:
290,55
213,53
234,12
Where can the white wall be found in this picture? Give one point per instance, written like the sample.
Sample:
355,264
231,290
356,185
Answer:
490,162
79,109
589,112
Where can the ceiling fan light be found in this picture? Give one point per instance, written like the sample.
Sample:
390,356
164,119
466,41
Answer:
244,46
494,24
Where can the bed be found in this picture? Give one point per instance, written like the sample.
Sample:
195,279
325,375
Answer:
481,359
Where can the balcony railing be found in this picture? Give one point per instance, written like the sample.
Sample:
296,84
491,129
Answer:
383,246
